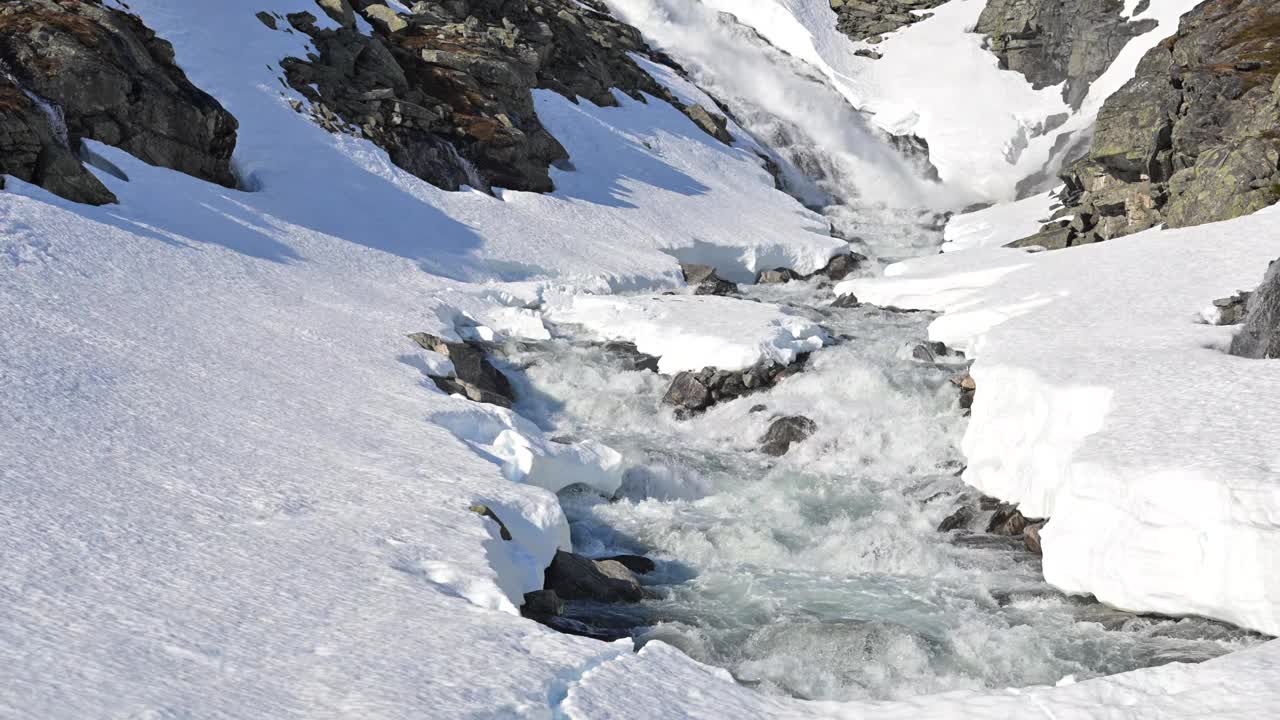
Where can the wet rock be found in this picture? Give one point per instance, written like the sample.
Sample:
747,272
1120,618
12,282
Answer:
961,519
705,281
784,431
1031,537
928,351
569,626
384,18
840,266
968,389
758,408
1006,520
631,357
1259,338
474,376
692,392
848,300
777,276
79,70
635,563
688,392
577,577
541,603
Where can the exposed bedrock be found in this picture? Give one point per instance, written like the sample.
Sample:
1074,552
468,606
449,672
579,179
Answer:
1193,138
1059,41
447,89
1259,338
869,19
76,70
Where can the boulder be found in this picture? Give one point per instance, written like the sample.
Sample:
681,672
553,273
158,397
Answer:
1230,310
784,431
635,563
705,281
848,300
840,266
1006,520
630,356
474,375
1031,537
541,604
1259,338
96,72
777,276
577,577
692,392
961,519
688,392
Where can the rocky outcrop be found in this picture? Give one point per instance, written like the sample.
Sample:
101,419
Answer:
1193,138
71,71
705,281
869,19
1059,41
474,376
785,431
447,90
1260,336
692,392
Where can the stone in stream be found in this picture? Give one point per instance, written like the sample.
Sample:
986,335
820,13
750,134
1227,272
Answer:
968,389
704,280
1031,537
1260,337
777,276
839,266
961,519
635,563
577,577
784,431
474,376
541,603
1007,520
692,392
631,357
928,351
848,300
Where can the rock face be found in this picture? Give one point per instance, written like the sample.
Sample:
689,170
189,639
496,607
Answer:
784,431
474,375
447,90
71,71
1193,138
868,19
577,577
1059,41
692,392
1260,336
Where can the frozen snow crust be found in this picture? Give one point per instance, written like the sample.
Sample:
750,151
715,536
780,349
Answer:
1106,404
229,490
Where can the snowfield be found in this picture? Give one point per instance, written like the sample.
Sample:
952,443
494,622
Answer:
230,490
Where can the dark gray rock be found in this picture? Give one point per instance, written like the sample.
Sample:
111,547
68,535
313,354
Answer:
1006,520
869,19
848,300
692,392
961,519
105,76
1031,537
777,276
840,266
784,431
928,351
541,603
638,564
688,392
1193,138
1260,336
474,375
630,356
577,577
1059,41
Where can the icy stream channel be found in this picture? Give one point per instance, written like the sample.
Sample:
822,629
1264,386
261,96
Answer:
821,574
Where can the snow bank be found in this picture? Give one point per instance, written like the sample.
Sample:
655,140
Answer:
690,332
1104,403
997,225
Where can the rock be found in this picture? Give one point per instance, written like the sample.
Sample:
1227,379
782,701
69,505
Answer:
784,431
928,351
447,90
705,281
848,300
758,408
868,20
631,357
692,392
474,376
267,19
1051,42
868,53
1192,138
577,577
340,11
839,266
961,519
1231,310
1260,336
688,392
569,626
541,603
776,276
635,563
1031,537
1006,520
100,74
712,124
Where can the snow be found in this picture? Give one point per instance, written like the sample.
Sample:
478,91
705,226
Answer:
690,332
997,225
1106,404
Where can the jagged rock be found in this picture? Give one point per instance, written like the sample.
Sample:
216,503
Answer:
784,431
840,266
870,19
1071,42
1231,310
635,563
961,519
541,603
777,276
848,300
1260,336
712,124
692,392
81,70
928,351
474,376
447,89
688,392
631,356
1031,537
340,11
1006,520
705,281
1192,138
577,577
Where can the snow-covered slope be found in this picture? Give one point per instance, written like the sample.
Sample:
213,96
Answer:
1105,403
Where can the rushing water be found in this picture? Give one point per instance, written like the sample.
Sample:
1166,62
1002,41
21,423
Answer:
820,574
